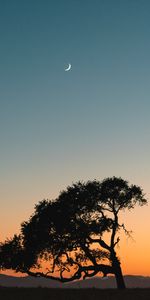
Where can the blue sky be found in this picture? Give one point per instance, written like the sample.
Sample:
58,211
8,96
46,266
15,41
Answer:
59,127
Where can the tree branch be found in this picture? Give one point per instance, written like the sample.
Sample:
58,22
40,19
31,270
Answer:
118,240
88,254
114,229
105,269
104,245
99,241
77,275
90,274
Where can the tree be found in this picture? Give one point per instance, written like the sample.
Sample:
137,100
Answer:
69,232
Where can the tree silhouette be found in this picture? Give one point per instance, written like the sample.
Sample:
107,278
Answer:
69,232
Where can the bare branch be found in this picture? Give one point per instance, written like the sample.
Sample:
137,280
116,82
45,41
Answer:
93,240
104,245
127,232
100,241
77,275
90,274
88,254
105,269
118,240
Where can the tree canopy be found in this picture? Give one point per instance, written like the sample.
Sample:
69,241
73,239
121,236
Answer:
68,232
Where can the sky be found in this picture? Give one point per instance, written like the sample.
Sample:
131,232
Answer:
91,122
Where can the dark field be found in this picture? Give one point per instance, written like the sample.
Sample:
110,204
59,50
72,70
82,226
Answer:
72,294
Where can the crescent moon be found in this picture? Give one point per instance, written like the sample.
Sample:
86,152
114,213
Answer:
68,68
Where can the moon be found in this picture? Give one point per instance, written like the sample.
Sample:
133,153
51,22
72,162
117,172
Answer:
68,68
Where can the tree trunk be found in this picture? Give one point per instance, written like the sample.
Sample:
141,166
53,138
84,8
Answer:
117,271
119,277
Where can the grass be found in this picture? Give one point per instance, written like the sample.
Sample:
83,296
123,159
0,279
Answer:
73,294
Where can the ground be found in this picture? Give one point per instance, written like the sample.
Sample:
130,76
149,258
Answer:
72,294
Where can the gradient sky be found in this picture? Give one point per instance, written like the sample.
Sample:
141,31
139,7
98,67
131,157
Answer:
92,122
